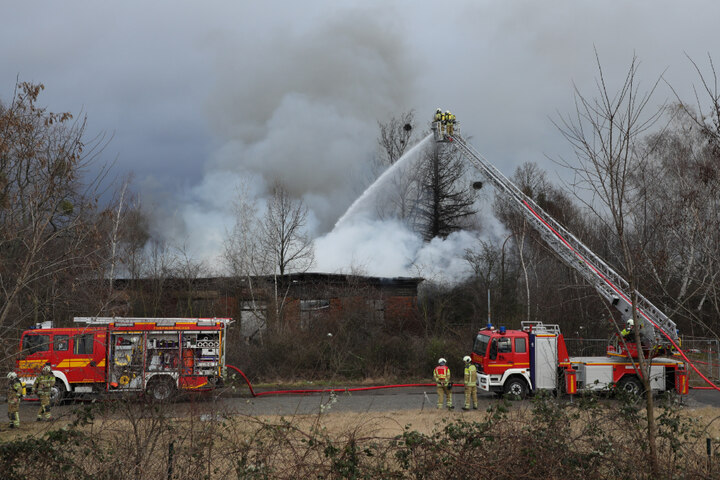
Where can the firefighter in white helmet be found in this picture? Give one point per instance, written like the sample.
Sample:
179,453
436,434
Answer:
628,333
438,115
470,384
14,394
441,374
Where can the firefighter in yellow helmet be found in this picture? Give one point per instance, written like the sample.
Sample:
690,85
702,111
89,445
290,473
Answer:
470,384
443,123
441,374
14,394
450,120
43,388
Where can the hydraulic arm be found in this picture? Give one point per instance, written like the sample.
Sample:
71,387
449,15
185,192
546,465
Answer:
609,284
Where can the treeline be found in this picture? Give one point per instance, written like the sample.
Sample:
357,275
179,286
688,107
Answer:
650,210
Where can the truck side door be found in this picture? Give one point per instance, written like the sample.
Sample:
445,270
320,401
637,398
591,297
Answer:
88,358
500,356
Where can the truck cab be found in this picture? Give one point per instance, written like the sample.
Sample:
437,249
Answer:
76,356
503,361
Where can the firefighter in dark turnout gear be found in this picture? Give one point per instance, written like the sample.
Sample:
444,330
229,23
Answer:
14,394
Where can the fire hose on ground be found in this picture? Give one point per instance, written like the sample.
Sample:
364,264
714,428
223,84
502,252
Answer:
322,390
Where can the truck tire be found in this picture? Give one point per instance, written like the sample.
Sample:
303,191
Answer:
630,384
57,393
515,388
161,389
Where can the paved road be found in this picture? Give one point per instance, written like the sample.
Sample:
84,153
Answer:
414,398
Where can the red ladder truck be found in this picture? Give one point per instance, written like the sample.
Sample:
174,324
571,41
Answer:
518,362
535,357
114,355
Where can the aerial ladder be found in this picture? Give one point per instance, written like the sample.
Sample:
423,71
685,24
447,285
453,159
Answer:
655,327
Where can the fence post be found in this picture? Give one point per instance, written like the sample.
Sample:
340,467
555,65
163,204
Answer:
171,451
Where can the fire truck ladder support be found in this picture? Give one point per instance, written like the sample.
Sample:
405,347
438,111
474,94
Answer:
573,252
609,284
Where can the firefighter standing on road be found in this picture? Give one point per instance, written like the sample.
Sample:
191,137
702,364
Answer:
470,384
14,394
441,374
450,119
43,388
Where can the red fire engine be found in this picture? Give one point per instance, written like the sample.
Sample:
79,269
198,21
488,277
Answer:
157,356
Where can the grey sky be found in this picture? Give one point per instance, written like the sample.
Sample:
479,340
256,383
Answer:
199,94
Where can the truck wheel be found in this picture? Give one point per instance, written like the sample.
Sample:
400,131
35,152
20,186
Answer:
57,393
631,385
161,389
516,388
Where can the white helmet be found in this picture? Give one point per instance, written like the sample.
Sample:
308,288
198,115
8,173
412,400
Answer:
47,369
439,109
12,376
630,322
447,112
442,361
466,359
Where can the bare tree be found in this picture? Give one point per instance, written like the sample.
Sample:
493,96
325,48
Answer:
48,215
605,133
447,200
397,135
273,245
283,236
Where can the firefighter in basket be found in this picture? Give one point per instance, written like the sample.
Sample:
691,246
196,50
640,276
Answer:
450,120
470,384
43,388
441,374
438,117
14,394
628,333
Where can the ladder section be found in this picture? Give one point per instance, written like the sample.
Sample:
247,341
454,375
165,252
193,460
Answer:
609,284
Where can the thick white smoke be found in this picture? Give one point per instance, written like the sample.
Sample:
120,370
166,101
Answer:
304,114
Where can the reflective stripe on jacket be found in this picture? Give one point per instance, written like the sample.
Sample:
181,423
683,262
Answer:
470,375
441,374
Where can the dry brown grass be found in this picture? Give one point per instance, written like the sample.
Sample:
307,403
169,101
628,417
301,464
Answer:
133,441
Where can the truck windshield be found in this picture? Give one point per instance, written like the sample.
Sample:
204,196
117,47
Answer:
481,344
35,343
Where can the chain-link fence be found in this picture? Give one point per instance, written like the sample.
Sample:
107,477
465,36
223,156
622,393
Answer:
704,353
586,347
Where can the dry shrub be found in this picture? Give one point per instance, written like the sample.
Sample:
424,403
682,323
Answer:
589,438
